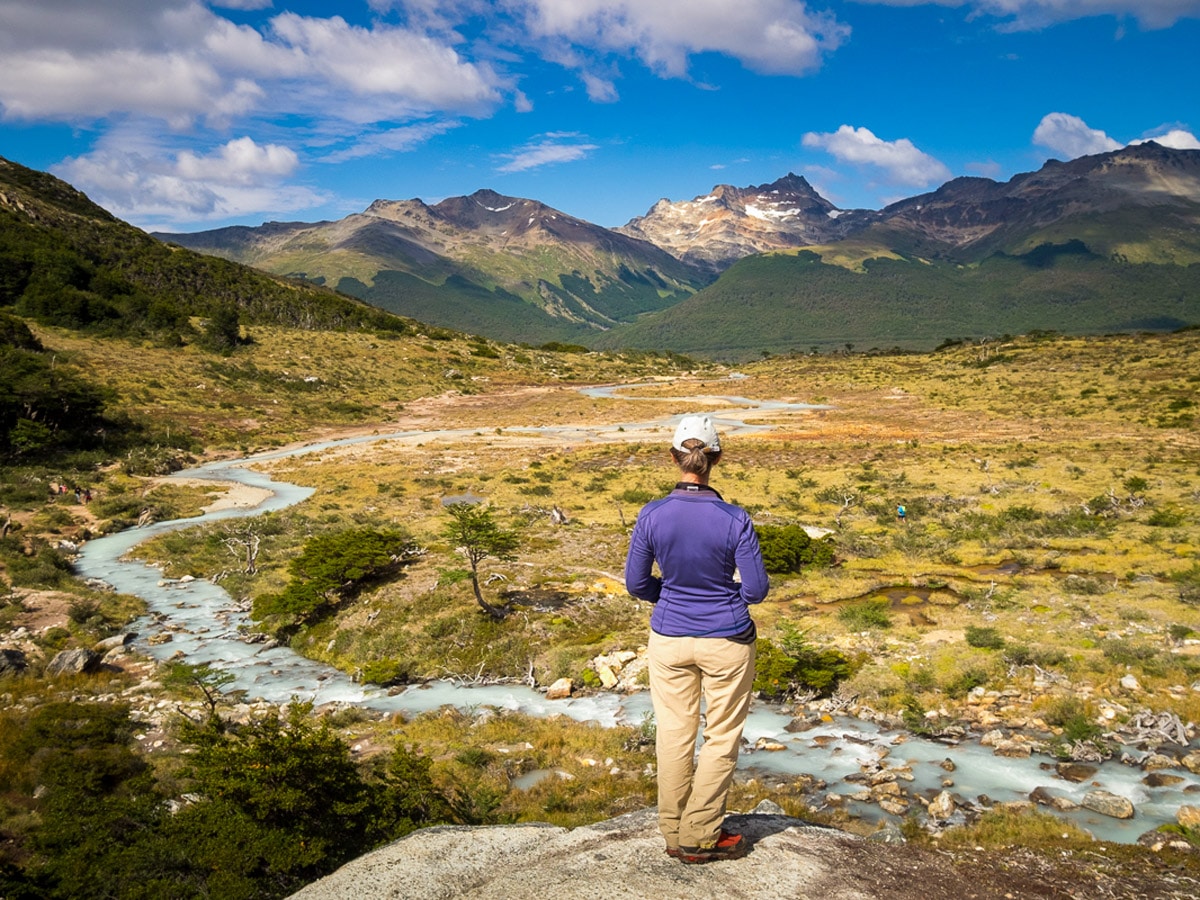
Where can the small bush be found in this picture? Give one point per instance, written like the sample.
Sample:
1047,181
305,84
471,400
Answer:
788,548
1124,652
866,614
1168,517
384,672
964,681
46,569
1075,717
984,638
798,666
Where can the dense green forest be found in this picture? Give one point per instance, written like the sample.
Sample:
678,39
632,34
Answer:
788,302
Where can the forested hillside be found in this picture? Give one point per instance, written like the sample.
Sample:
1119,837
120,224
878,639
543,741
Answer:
65,261
787,302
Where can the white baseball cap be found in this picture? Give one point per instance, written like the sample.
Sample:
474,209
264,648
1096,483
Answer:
699,427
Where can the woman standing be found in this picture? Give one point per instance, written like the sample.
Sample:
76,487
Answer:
701,641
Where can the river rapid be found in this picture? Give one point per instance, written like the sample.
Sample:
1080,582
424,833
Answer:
207,626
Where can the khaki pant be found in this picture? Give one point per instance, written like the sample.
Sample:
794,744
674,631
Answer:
691,788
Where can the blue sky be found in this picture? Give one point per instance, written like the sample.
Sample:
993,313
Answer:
183,115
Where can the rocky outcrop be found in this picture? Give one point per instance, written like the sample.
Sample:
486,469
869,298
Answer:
625,858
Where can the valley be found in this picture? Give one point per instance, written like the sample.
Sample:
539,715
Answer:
1038,603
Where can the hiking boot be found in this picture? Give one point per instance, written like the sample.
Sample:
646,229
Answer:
728,846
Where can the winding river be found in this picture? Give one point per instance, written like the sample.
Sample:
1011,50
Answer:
207,626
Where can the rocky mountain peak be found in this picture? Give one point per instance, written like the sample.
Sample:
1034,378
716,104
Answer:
719,228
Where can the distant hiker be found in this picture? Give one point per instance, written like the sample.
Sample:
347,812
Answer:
87,495
701,642
78,496
901,513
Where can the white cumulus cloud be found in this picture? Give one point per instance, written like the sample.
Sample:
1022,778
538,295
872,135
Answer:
769,36
386,62
141,182
901,161
1071,136
178,60
1175,138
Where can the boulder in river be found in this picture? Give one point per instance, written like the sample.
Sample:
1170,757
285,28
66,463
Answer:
1075,772
942,807
1108,804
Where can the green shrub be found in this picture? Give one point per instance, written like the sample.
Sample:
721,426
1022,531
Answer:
331,569
788,548
1075,717
1125,652
866,614
963,681
384,672
1168,517
984,638
798,666
47,568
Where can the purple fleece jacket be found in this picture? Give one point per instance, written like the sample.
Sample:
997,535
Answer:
698,540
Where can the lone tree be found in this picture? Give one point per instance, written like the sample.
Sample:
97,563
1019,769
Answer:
476,536
203,677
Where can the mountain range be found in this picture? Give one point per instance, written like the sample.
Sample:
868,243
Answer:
503,267
1109,242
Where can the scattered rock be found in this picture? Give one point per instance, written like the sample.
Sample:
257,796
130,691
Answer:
1012,749
73,662
1075,772
769,744
1191,762
800,723
1156,761
1108,804
608,677
1161,779
1043,797
1130,683
942,807
1188,816
12,662
992,738
114,642
560,690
